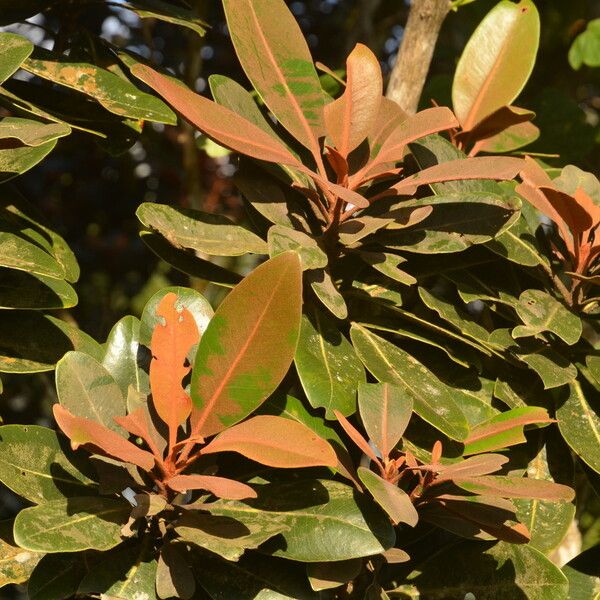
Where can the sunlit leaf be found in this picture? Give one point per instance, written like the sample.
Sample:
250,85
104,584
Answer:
16,564
14,49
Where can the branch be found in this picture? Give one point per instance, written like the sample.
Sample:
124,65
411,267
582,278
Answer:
418,43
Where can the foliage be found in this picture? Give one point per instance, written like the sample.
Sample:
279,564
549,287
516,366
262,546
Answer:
433,288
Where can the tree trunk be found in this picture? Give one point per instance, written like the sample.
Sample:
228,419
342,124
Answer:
418,43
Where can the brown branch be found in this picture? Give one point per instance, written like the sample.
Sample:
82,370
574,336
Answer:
418,43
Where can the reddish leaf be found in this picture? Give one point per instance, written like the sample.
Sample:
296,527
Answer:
385,411
85,432
248,346
218,122
483,167
356,437
138,423
276,442
170,345
471,467
389,117
515,487
574,215
219,486
503,430
350,118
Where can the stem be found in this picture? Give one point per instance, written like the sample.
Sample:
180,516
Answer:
418,43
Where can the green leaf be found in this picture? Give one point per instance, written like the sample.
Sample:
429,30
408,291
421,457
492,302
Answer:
503,570
248,345
128,574
16,564
252,578
432,399
88,390
187,298
548,522
225,535
203,232
276,59
496,62
31,342
72,525
390,497
56,576
327,365
583,575
35,464
18,253
163,11
585,49
578,416
116,94
28,291
32,133
385,411
15,161
331,521
187,262
14,49
121,357
518,245
503,430
282,239
323,286
539,312
457,222
388,265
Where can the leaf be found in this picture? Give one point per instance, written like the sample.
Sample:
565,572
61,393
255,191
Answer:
582,573
511,139
226,536
496,62
276,59
541,312
293,446
579,422
388,265
72,525
16,564
32,133
489,572
174,577
19,159
218,122
86,389
327,365
14,49
18,253
432,399
85,432
282,239
351,117
329,575
187,299
171,343
518,245
585,49
116,94
177,15
221,487
248,345
28,291
323,286
548,522
129,573
470,467
457,222
390,497
121,356
503,430
251,578
56,576
34,465
385,411
203,232
515,487
32,342
327,520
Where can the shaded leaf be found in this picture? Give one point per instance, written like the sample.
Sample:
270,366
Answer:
72,525
583,575
282,239
248,345
18,159
16,564
56,576
329,575
174,577
218,486
28,291
32,133
323,286
163,11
